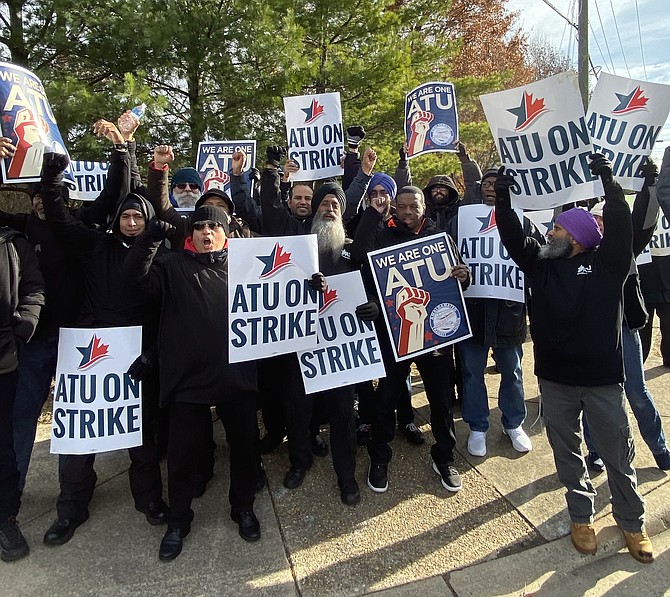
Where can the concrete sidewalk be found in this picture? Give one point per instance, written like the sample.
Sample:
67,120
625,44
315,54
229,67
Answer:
505,533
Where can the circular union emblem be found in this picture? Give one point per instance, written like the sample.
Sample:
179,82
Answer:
445,320
442,134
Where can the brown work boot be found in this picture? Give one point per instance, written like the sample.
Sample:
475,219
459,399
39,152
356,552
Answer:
639,546
583,537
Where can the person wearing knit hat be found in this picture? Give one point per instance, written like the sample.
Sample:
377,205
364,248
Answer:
580,225
185,188
131,217
218,198
579,357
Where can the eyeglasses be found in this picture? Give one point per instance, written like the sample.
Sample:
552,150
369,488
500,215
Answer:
182,186
211,224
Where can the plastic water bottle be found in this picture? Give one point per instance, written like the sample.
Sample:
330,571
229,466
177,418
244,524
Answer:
136,114
138,111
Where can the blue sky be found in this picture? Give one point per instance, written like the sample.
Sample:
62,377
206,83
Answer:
648,60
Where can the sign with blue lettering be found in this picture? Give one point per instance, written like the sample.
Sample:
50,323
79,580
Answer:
315,135
494,274
272,308
422,303
215,161
431,119
90,178
625,118
544,142
97,405
348,350
542,218
28,121
660,242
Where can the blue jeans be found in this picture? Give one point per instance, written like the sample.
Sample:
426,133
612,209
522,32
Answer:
475,407
37,365
639,398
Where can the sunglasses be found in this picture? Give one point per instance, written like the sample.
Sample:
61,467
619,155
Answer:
184,185
211,224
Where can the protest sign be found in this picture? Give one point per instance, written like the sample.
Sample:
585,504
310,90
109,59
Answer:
543,141
97,405
215,161
659,244
89,178
542,218
422,303
625,117
28,121
348,350
431,119
315,135
272,309
494,274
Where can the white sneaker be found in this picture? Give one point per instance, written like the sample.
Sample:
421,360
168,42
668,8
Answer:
477,443
520,441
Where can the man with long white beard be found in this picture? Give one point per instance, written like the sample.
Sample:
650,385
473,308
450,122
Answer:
577,284
185,188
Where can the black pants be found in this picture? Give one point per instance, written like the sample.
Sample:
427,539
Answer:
190,443
663,312
77,476
338,407
437,378
10,501
275,387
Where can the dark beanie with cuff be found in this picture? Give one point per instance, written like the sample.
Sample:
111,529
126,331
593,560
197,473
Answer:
329,188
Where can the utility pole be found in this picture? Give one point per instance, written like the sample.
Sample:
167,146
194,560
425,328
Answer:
583,51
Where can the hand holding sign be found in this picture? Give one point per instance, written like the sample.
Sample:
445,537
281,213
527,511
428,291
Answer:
504,182
411,307
650,173
461,272
601,166
290,167
367,311
6,148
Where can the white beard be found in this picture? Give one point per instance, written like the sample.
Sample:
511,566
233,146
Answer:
330,235
185,198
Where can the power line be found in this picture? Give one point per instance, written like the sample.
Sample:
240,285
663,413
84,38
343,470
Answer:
616,26
639,33
605,38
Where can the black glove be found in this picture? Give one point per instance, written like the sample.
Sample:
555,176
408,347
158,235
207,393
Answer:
367,311
650,173
140,368
402,152
462,151
601,166
318,282
274,154
255,175
355,134
502,186
158,230
53,165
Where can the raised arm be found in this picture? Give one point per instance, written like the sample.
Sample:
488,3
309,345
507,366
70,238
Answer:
471,174
245,207
356,191
645,209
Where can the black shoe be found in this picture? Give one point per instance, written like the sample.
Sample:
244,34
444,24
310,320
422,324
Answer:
449,476
62,529
12,542
319,446
378,479
294,477
172,543
413,434
663,460
156,512
350,494
363,434
270,442
250,528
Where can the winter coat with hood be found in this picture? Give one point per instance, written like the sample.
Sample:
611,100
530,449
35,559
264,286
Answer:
107,302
